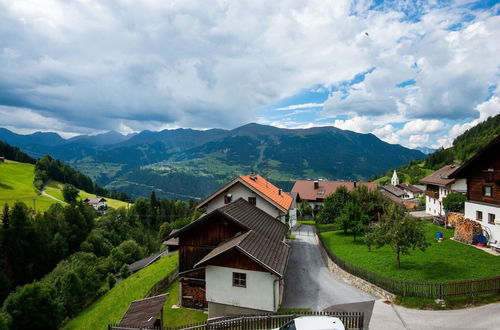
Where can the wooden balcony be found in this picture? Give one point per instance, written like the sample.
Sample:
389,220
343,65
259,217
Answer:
432,193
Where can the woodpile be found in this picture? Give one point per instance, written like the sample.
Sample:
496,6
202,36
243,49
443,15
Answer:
452,219
466,230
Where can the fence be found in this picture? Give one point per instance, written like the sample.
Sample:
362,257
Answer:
351,320
438,290
163,284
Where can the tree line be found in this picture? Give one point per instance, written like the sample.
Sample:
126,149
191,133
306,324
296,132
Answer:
48,168
14,153
55,263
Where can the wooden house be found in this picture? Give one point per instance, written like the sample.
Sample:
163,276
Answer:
233,260
98,203
482,173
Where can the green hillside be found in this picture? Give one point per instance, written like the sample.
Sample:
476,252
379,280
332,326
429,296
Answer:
464,147
111,307
16,184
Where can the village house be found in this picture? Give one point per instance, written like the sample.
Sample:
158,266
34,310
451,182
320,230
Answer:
98,203
438,185
315,192
233,260
257,191
482,174
402,193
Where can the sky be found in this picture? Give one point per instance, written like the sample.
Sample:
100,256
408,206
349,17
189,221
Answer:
416,73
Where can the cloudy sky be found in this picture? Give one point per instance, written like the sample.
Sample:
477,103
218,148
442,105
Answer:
417,73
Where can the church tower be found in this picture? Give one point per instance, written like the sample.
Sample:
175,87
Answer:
395,179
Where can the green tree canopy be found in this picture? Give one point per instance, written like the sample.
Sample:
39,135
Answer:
70,193
354,218
398,230
333,205
454,202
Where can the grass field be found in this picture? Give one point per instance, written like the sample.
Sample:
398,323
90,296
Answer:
174,317
111,307
54,188
441,262
16,184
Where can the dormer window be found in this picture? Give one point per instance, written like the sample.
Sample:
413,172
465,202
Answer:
227,198
321,192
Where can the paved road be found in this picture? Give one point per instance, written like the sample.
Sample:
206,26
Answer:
309,284
391,317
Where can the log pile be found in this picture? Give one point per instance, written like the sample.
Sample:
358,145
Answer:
466,230
452,219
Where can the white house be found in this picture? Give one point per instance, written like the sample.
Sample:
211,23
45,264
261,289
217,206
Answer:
98,203
438,185
482,173
257,191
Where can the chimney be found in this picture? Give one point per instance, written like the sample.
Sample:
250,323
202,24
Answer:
316,184
354,183
279,192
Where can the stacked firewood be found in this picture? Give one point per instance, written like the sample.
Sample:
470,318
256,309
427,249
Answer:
466,230
452,219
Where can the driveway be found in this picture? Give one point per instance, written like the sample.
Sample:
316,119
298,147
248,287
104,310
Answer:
391,317
308,283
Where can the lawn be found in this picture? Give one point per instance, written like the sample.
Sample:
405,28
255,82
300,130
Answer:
174,317
445,261
111,307
16,184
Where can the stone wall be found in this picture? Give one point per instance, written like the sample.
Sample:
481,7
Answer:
354,280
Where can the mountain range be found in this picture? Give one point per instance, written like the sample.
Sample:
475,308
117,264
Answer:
187,163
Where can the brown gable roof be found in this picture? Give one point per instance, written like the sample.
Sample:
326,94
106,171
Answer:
441,177
247,216
95,200
143,312
272,254
305,188
393,190
490,147
410,187
259,185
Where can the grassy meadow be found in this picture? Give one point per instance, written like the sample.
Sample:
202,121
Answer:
440,262
16,184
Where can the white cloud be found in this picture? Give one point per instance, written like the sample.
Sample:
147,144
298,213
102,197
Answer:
300,106
97,65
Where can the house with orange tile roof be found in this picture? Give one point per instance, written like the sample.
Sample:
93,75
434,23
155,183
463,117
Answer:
257,191
315,192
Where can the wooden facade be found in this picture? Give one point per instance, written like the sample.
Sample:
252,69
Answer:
194,244
484,172
238,260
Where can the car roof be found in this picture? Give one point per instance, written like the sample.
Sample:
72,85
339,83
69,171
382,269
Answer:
319,322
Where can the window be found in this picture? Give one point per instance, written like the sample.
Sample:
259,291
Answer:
321,192
479,216
227,198
240,279
487,191
252,200
491,218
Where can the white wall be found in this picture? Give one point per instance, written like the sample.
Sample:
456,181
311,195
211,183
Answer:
460,185
238,190
258,294
470,212
433,206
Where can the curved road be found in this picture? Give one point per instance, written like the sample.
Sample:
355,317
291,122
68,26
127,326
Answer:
308,283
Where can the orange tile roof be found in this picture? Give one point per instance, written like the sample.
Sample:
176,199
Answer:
268,190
